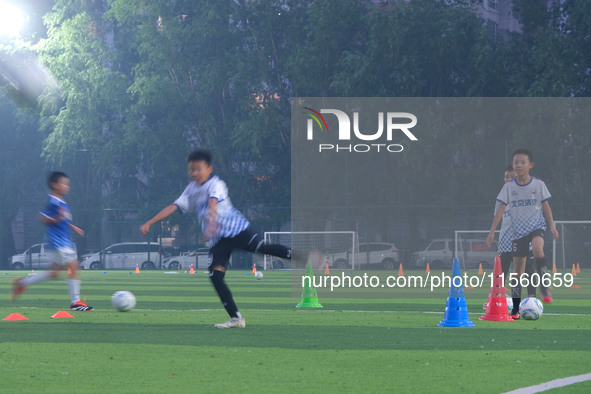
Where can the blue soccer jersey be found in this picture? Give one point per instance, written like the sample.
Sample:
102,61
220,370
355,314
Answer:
525,203
59,235
196,198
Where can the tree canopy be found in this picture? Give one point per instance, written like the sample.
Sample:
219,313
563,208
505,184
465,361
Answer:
140,83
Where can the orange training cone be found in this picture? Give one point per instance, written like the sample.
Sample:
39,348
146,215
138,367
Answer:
427,269
554,268
578,268
480,272
496,308
62,315
574,270
15,316
192,270
137,268
69,271
326,270
400,270
254,268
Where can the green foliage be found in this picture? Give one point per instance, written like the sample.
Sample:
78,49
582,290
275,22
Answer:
140,83
22,172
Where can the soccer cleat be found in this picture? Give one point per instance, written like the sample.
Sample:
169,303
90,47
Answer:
546,296
80,307
234,322
16,289
515,316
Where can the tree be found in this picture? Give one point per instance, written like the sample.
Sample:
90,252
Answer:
21,168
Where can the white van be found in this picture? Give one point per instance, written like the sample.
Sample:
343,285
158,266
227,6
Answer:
124,255
440,253
36,258
379,254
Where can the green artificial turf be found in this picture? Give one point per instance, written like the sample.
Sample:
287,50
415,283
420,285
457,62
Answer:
169,344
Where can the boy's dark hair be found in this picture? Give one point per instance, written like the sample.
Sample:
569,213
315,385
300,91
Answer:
55,177
523,151
509,168
200,155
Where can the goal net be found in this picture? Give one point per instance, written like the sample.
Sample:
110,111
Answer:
471,249
573,244
333,245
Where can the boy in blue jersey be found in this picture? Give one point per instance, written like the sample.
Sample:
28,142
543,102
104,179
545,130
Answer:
58,219
222,224
527,198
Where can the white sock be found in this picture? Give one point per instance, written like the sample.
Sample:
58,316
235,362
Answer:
239,315
29,280
74,286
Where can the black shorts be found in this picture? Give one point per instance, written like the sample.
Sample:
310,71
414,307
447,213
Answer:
219,254
521,245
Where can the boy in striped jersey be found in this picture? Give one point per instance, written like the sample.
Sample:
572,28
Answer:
505,246
222,224
527,197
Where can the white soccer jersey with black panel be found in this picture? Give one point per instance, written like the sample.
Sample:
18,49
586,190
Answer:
195,198
525,204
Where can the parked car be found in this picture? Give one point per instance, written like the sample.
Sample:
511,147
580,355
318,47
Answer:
476,252
124,255
199,258
440,253
378,254
36,257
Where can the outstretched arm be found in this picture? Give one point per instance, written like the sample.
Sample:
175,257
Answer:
495,223
77,230
549,218
166,212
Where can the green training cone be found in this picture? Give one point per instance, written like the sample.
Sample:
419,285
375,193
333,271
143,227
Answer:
309,295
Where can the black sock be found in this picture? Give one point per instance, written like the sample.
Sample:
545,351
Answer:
529,270
516,294
217,278
542,271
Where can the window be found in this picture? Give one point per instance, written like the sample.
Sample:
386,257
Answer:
379,247
437,245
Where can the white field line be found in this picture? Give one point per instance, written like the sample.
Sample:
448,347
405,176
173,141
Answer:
553,384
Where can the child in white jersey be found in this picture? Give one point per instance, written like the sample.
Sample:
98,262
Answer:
527,197
222,224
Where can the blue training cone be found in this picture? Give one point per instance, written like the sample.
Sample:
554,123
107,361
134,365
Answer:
456,310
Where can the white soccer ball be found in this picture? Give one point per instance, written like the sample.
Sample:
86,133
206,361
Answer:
531,309
123,301
258,275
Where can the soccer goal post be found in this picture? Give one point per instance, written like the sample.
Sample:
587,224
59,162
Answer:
472,251
573,244
334,245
